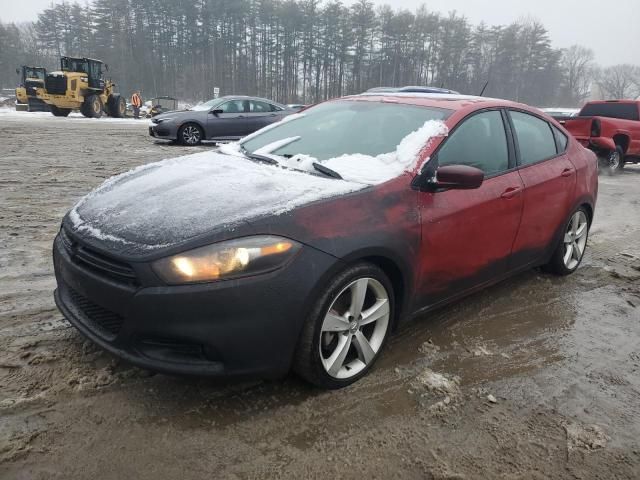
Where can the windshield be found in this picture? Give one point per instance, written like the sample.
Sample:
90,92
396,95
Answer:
345,127
34,73
75,65
207,105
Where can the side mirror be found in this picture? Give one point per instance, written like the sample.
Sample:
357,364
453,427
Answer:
106,67
18,71
216,112
458,177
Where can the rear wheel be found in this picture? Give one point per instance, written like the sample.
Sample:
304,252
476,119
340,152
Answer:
92,107
569,253
613,162
190,135
117,107
60,112
347,329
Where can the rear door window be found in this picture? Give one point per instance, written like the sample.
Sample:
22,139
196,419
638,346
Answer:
534,137
260,107
481,142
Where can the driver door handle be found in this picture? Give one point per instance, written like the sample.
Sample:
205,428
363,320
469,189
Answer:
567,172
511,192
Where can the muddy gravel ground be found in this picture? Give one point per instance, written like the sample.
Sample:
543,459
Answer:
538,377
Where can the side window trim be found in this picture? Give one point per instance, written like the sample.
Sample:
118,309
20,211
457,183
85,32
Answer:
559,149
507,131
517,145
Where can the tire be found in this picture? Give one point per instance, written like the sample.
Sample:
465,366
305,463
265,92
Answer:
92,107
116,106
336,350
190,134
613,162
60,112
570,251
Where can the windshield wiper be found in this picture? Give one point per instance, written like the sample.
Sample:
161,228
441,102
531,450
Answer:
258,157
327,171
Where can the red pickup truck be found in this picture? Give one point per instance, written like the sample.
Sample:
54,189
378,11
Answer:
611,129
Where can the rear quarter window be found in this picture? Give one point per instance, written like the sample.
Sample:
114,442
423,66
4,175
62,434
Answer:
561,139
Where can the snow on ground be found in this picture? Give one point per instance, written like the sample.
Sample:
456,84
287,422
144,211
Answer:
11,113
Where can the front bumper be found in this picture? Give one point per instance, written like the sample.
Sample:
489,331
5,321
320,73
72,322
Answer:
163,131
246,327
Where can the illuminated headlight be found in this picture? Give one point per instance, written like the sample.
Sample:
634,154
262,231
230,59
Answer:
232,259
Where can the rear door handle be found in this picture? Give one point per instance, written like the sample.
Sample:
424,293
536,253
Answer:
511,192
567,172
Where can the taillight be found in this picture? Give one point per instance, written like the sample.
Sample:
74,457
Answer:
596,128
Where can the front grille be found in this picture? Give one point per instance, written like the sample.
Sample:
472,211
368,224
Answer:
104,322
56,84
97,262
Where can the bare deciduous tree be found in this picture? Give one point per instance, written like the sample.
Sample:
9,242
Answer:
619,81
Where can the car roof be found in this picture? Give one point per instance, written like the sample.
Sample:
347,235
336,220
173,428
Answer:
411,89
438,100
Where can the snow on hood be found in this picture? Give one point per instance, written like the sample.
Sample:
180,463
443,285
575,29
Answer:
181,198
185,197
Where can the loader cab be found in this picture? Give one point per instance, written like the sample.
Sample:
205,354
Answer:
35,74
31,78
93,69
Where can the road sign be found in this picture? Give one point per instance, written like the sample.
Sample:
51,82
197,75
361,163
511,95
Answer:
216,92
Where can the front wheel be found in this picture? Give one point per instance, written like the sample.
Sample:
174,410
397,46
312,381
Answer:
347,329
190,135
569,253
92,107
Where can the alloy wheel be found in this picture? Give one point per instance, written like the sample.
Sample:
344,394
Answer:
191,135
614,160
354,328
575,240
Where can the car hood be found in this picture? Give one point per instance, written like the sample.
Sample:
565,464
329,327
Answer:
165,204
181,114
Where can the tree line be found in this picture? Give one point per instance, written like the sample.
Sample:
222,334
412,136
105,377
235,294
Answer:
306,50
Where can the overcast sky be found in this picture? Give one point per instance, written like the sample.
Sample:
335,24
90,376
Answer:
611,28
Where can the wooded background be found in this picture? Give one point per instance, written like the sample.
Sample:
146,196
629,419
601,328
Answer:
306,51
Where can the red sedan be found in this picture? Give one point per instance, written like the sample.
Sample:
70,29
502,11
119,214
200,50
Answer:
305,244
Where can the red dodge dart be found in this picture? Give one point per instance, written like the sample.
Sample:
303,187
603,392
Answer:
304,245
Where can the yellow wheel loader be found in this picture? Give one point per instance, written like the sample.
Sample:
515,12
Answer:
80,85
31,78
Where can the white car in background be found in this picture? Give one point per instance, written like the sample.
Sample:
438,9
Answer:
561,113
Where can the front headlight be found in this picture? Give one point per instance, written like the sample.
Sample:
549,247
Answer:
232,259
